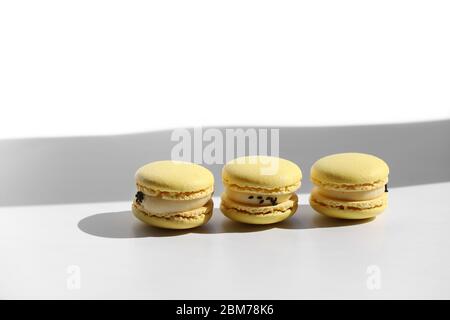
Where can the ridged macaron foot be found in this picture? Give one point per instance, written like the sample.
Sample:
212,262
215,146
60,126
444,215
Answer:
260,189
198,218
173,194
349,186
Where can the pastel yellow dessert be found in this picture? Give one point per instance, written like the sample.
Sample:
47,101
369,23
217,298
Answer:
260,189
173,194
349,186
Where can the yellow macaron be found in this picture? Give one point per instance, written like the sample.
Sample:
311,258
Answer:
349,185
260,189
173,194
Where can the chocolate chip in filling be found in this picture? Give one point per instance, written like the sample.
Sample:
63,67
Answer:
139,197
273,200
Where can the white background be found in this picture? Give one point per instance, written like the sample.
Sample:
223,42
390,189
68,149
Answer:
102,67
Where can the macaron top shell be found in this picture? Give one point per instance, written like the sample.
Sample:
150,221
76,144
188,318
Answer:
261,174
350,171
175,180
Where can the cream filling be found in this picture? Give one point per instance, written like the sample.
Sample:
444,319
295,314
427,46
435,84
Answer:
256,199
160,206
351,195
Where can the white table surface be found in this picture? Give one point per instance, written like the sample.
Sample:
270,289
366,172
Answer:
308,256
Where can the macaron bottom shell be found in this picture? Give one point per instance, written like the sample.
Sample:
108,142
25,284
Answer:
348,209
259,215
176,222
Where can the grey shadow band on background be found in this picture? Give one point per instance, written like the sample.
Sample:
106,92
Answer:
101,168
